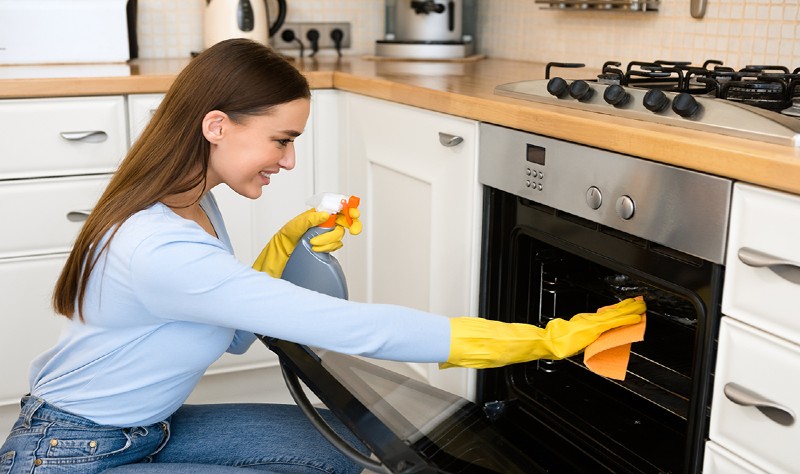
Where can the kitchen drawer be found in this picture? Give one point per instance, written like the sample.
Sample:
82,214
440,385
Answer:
717,460
766,222
41,216
141,108
29,324
768,367
60,136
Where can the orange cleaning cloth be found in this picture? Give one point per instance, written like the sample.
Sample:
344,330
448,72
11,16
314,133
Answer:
609,354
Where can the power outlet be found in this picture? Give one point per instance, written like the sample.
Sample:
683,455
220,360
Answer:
300,31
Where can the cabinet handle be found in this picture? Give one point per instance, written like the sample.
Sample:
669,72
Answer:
742,396
94,136
78,216
449,140
785,269
697,8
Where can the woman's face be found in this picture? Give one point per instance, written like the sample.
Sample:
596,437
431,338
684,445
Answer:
246,155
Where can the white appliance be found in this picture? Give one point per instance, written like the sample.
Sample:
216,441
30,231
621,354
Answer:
224,19
63,31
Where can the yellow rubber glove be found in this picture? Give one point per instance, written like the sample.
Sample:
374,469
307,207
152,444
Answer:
276,253
480,343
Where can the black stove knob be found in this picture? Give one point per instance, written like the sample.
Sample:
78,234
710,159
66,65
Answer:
580,90
685,105
558,87
615,95
655,100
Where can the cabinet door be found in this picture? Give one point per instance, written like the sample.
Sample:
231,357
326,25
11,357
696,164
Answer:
756,369
29,324
61,136
721,461
762,276
420,202
45,215
141,108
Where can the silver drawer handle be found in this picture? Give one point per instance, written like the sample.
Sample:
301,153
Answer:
786,269
742,396
78,216
94,136
449,140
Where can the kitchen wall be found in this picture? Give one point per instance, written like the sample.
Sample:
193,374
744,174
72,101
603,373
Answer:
738,32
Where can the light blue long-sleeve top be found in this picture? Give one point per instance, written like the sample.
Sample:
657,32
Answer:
167,299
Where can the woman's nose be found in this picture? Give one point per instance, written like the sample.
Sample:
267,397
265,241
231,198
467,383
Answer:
288,161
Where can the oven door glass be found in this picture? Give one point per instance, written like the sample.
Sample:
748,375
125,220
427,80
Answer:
408,425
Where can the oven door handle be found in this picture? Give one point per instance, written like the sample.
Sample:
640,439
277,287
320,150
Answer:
786,269
742,396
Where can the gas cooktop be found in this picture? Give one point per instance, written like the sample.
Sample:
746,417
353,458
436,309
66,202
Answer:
756,102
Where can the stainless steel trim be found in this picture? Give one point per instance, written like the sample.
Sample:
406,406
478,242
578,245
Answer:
94,136
678,208
785,269
449,140
424,50
78,216
725,117
742,396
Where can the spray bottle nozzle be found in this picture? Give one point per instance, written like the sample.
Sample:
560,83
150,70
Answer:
334,204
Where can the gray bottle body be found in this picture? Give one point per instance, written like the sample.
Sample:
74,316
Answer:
316,271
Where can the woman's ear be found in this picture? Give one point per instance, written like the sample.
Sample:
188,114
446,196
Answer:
213,124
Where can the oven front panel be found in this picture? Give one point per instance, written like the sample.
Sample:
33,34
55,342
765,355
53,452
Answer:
539,264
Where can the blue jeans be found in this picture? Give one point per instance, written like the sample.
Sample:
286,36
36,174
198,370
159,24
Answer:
196,439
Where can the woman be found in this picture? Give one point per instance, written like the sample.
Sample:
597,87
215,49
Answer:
154,296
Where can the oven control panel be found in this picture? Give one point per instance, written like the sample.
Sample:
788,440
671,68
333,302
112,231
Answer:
675,207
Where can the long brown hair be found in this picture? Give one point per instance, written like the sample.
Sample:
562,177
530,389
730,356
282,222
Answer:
239,77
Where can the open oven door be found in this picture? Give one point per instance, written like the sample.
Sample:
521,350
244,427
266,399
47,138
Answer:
410,426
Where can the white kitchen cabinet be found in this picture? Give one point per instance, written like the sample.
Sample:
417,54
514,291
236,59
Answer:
141,108
721,461
43,216
58,153
62,136
416,172
755,401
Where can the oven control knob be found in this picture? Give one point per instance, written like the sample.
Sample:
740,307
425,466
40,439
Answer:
594,198
655,100
580,90
558,87
685,105
625,207
615,95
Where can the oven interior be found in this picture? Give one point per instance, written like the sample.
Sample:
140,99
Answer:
539,264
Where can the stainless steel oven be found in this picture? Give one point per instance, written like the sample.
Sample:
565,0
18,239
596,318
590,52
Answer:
568,229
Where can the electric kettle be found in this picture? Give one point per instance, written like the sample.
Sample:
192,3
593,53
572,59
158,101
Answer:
226,19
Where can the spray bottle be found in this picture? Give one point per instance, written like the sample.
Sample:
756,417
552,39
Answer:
320,271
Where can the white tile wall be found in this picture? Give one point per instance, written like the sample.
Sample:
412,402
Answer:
738,32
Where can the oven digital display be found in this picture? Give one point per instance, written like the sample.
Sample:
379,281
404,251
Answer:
535,154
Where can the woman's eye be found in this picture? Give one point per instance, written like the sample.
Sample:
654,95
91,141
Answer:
284,142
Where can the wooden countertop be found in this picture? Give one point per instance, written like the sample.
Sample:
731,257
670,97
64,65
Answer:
463,89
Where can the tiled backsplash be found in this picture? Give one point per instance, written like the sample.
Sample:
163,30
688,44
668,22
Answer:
738,32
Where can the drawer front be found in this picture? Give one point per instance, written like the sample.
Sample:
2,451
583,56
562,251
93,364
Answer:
30,326
768,367
141,108
765,225
41,216
719,461
59,136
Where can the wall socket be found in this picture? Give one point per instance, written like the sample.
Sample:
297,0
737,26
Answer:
300,31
